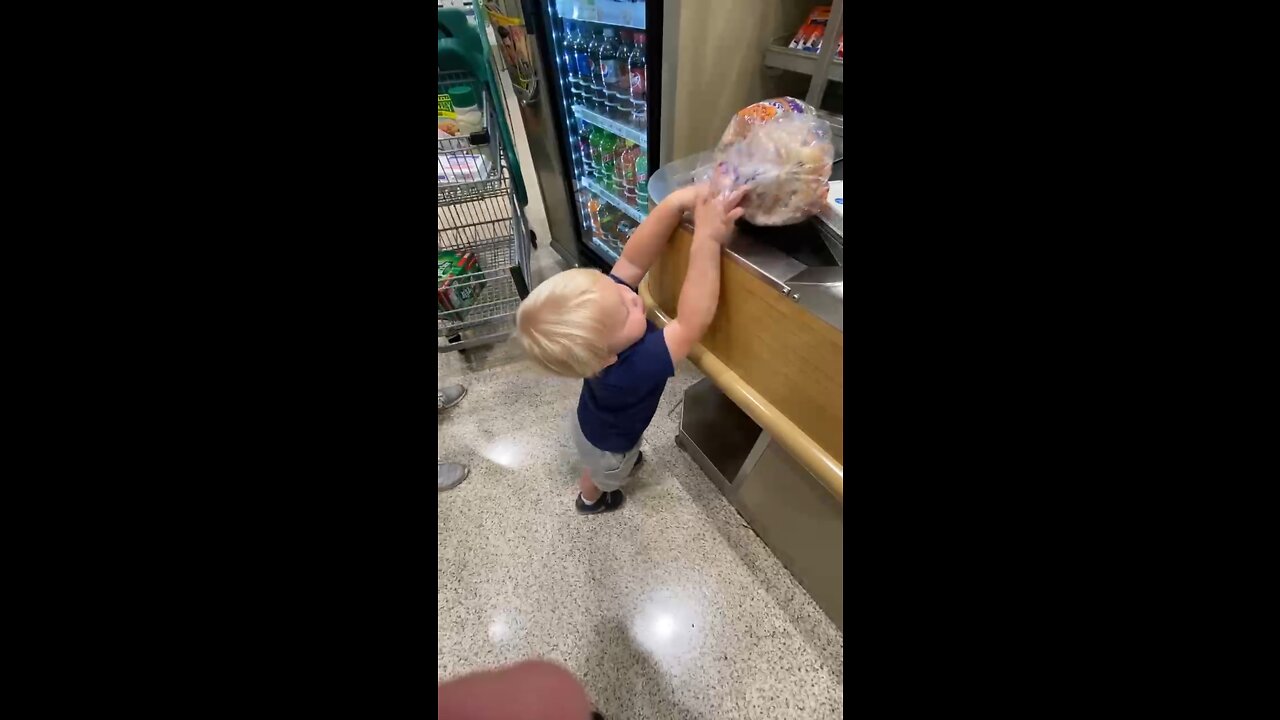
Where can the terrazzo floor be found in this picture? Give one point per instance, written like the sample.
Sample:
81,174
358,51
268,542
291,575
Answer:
668,608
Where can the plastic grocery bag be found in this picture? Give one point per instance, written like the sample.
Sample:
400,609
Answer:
780,149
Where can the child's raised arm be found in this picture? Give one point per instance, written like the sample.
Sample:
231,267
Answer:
712,229
648,240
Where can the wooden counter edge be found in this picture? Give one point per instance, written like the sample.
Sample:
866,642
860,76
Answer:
803,449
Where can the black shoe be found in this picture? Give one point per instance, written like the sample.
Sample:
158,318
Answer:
639,461
607,502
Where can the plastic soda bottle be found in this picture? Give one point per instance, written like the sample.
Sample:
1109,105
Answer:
595,137
608,160
642,182
620,167
629,173
584,148
608,69
593,215
571,60
621,88
592,91
639,78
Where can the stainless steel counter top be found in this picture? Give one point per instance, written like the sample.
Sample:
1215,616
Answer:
815,285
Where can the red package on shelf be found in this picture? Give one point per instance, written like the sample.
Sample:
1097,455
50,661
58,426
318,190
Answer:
809,37
840,47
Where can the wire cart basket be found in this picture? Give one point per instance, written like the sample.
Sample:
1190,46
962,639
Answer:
482,242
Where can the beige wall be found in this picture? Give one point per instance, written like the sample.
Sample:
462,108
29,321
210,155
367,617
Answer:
720,66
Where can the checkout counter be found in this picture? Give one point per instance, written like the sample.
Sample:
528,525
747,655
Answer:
766,424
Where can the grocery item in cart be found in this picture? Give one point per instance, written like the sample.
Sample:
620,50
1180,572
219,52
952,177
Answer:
458,282
809,37
782,151
448,119
461,168
466,109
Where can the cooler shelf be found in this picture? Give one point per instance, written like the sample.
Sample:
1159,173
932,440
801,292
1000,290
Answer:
614,200
627,128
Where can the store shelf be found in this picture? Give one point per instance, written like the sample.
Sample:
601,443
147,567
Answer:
614,200
629,129
604,12
778,55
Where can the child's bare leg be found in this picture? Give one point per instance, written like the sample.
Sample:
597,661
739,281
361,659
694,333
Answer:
590,493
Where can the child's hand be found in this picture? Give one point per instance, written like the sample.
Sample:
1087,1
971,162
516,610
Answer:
713,217
684,199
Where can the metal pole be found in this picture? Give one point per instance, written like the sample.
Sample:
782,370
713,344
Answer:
819,82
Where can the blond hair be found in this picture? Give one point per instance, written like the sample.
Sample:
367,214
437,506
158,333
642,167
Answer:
562,324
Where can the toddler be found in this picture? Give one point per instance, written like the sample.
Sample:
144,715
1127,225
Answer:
585,324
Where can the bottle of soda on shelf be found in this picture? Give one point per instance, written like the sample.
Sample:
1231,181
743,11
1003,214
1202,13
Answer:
609,69
594,138
629,173
582,61
621,87
584,149
594,91
609,160
619,167
593,215
587,65
638,78
642,182
571,61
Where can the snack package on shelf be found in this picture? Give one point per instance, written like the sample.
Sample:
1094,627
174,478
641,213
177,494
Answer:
840,47
782,151
809,37
457,281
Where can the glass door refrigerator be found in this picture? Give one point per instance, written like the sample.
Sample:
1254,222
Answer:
601,74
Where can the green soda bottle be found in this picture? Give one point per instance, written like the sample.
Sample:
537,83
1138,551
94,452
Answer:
609,156
642,181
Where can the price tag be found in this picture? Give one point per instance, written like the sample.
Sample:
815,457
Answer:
633,14
580,10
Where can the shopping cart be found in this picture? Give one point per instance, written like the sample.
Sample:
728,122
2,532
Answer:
482,243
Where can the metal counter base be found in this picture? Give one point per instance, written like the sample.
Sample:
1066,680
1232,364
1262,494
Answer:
787,506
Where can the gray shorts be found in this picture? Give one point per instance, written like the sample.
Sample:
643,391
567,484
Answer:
609,470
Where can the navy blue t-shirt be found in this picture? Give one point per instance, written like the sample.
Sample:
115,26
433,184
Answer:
616,406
